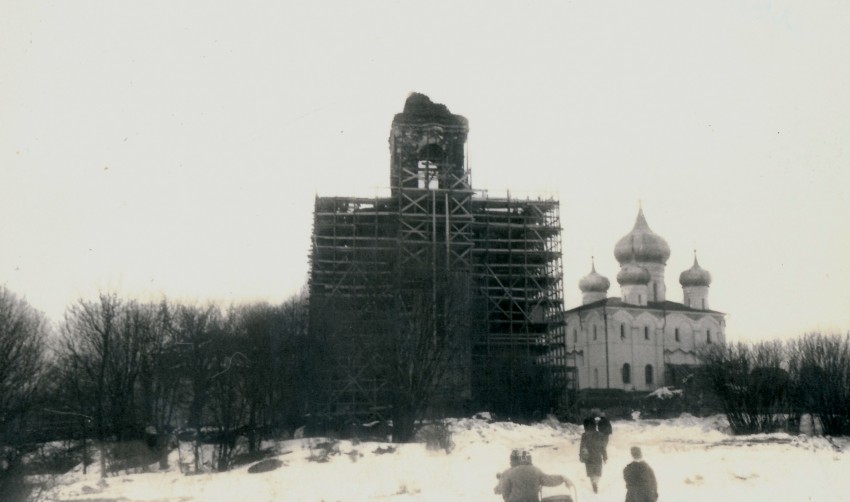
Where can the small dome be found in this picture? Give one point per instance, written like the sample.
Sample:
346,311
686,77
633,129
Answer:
643,244
593,282
695,276
632,274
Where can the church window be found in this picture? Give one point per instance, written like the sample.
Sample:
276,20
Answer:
594,332
648,372
655,291
627,373
575,336
622,332
676,334
708,336
646,332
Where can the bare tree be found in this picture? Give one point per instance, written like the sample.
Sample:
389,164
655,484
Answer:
752,384
159,387
820,365
291,363
90,332
427,345
23,334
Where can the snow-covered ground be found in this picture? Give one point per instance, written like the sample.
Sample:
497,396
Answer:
695,459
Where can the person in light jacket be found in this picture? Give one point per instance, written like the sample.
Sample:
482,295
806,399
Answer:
523,482
514,461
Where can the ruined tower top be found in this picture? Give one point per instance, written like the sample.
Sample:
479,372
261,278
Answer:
419,109
427,147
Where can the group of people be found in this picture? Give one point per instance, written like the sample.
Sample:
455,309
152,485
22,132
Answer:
522,481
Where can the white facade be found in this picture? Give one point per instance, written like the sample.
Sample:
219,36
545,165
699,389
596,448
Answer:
603,338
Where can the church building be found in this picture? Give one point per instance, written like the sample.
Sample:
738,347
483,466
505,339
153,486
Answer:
640,341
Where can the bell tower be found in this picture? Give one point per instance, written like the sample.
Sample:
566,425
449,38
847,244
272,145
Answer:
427,147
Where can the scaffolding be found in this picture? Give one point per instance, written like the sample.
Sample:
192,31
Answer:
363,250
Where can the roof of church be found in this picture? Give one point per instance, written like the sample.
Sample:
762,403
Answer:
665,306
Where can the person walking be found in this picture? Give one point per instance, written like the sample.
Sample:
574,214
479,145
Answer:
603,425
592,452
514,461
641,485
522,483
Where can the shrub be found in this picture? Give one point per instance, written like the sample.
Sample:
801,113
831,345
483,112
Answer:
751,384
436,436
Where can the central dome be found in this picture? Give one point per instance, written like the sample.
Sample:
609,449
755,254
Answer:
642,244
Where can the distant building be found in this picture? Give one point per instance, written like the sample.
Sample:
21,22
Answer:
373,259
640,341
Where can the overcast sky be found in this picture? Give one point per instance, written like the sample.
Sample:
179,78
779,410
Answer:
175,147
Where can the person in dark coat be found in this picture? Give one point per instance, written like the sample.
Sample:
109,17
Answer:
603,425
640,479
523,482
592,452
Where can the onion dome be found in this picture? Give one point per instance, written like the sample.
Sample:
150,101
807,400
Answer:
593,282
643,244
631,274
695,276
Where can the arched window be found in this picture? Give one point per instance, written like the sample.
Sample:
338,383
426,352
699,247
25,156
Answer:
708,336
627,373
677,335
575,336
594,332
648,371
646,332
622,332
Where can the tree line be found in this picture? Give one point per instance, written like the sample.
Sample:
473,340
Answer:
768,386
115,371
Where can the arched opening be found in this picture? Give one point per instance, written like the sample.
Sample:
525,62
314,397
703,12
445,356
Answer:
431,157
627,373
648,371
427,175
